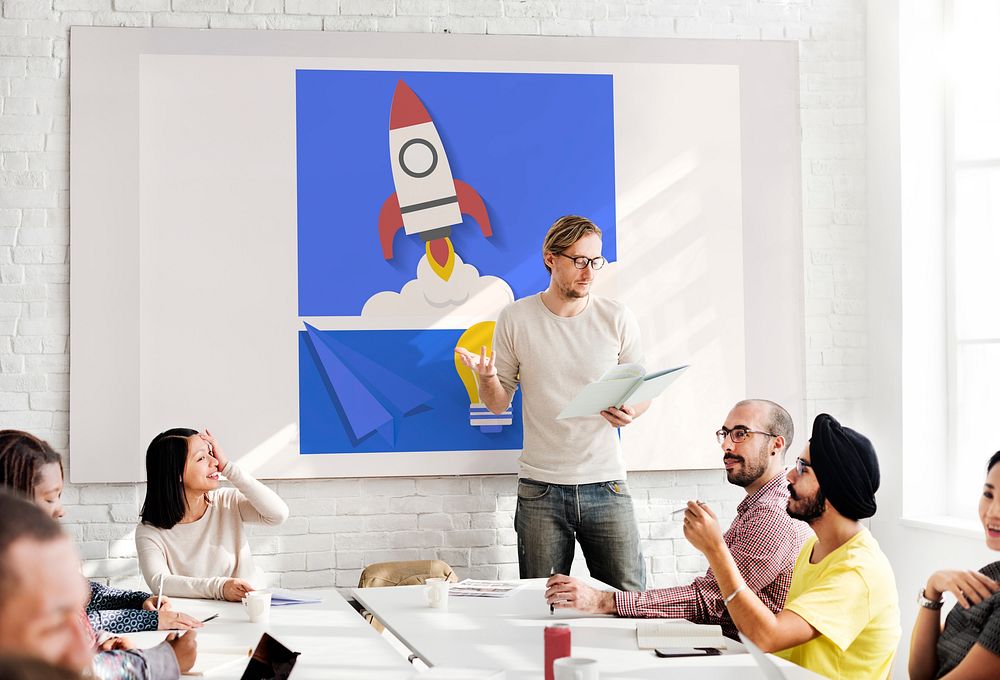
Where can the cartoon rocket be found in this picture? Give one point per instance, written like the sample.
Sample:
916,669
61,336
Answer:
428,200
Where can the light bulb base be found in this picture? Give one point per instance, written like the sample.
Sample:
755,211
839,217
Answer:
488,422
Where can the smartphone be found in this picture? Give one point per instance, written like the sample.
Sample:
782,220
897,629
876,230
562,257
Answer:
668,652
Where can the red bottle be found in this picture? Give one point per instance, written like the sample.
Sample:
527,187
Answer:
557,645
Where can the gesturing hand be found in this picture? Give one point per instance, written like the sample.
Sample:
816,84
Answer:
701,527
968,587
483,365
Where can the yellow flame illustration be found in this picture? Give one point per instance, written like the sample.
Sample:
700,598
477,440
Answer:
445,270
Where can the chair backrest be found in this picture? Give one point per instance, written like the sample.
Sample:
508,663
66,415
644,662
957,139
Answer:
412,573
409,573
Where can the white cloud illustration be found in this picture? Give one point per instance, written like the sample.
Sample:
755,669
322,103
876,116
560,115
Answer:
465,294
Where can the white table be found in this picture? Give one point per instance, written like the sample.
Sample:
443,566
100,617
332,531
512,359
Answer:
335,642
507,633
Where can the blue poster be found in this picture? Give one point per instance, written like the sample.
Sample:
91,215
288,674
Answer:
423,199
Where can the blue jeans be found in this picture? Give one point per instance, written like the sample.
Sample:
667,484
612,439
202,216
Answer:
600,516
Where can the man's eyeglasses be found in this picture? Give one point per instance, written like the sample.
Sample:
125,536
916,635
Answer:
801,465
583,262
738,434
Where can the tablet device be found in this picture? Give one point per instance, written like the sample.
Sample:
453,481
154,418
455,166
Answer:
271,660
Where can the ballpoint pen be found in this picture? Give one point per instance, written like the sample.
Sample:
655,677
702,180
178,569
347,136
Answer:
552,606
159,595
684,509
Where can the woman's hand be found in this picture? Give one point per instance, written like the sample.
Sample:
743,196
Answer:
968,587
171,620
150,603
235,589
116,644
214,450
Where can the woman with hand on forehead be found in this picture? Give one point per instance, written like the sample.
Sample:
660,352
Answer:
192,541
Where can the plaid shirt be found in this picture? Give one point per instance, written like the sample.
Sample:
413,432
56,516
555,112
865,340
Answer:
764,542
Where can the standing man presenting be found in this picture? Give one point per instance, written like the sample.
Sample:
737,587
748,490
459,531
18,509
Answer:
572,478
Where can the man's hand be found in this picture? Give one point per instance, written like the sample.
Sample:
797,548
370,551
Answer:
968,587
566,592
185,649
150,603
171,620
619,417
235,589
482,365
701,528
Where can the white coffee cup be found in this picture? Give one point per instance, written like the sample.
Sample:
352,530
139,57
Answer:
574,668
436,592
258,606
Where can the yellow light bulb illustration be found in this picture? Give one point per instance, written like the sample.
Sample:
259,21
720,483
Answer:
474,339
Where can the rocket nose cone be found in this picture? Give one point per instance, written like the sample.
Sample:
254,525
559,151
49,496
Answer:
407,109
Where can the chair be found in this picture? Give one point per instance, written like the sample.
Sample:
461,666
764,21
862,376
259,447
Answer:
410,573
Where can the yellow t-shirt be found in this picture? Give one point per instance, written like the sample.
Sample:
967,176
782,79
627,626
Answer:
850,598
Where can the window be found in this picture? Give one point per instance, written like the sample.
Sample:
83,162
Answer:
973,196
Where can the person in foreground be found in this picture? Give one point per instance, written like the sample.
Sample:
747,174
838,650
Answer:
26,668
968,647
572,479
42,596
763,540
191,542
841,618
30,468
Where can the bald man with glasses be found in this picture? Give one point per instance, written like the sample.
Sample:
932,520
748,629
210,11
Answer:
763,539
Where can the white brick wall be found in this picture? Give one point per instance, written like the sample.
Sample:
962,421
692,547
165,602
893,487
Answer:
338,526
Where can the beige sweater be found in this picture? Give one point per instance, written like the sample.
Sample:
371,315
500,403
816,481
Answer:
196,559
551,358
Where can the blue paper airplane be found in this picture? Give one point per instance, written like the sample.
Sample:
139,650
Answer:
370,397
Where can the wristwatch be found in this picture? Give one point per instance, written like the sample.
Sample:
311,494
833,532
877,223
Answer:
928,604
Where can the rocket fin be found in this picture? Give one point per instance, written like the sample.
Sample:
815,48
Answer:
390,220
471,203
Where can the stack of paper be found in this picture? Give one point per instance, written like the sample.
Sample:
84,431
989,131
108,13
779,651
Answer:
473,588
283,598
653,634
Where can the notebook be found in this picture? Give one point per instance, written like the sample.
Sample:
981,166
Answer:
652,634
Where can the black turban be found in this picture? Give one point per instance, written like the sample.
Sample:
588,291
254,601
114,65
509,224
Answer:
846,467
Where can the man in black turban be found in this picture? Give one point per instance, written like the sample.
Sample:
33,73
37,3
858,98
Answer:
846,470
841,618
